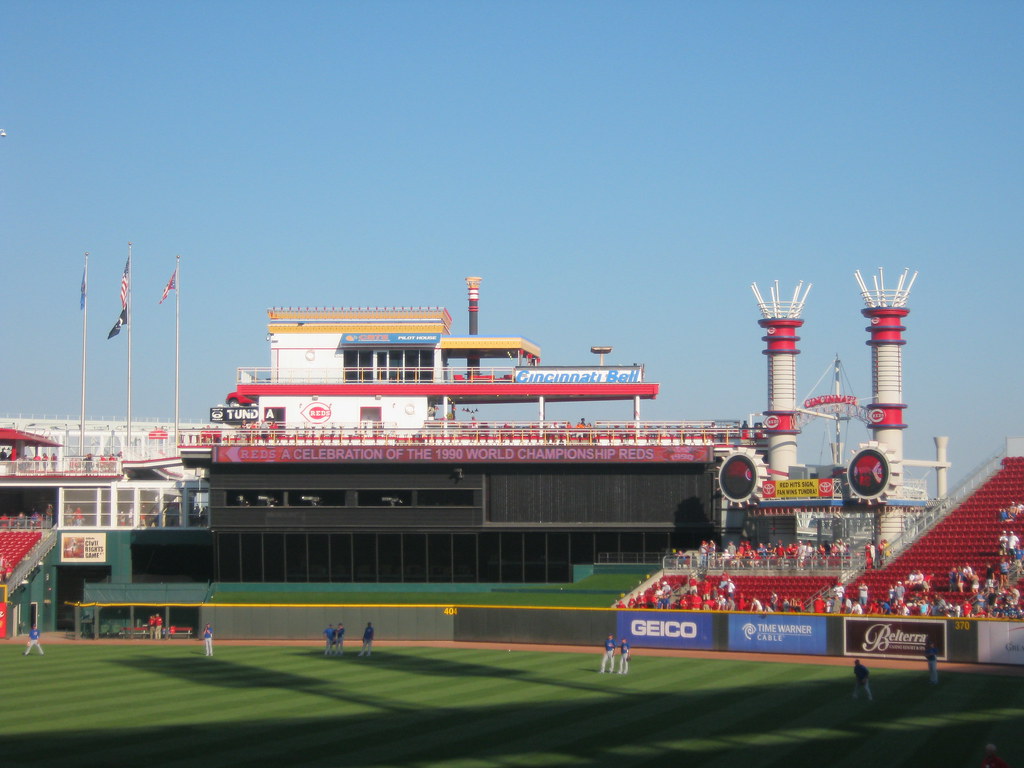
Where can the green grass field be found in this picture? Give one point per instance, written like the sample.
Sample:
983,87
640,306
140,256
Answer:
168,705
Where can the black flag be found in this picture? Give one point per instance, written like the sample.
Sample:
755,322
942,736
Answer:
122,319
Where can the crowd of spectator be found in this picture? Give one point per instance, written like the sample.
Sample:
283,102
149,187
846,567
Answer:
708,594
1012,513
990,591
798,555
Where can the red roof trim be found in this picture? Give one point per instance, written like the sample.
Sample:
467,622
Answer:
8,435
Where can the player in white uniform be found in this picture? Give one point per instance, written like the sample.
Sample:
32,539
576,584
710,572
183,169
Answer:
608,660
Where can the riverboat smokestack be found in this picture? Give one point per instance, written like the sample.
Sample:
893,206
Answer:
885,308
473,284
781,320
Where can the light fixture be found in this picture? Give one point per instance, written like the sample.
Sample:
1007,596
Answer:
602,351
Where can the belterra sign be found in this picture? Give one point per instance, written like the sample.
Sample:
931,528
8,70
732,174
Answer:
898,639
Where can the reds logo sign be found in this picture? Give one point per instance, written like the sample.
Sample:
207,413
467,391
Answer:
316,413
876,415
772,422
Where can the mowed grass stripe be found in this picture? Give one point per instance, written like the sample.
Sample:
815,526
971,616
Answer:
424,707
604,704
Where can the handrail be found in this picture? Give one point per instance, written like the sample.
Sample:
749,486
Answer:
484,433
931,516
63,467
33,557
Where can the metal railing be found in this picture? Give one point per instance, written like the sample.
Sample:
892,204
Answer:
628,558
35,555
823,565
490,433
380,374
915,526
62,467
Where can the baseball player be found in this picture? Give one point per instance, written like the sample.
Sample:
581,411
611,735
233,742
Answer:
931,654
367,648
33,641
608,660
329,640
208,640
339,639
624,657
861,674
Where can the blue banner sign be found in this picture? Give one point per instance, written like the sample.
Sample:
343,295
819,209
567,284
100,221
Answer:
777,633
666,629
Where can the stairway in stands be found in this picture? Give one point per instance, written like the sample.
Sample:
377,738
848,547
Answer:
14,545
969,534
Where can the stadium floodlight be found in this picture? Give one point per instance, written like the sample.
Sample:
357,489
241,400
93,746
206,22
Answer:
313,501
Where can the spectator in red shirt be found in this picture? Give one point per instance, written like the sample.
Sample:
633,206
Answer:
992,760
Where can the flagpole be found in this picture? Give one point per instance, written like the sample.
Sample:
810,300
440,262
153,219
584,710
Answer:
85,326
177,342
128,314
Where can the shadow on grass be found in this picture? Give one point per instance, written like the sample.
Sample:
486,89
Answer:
718,717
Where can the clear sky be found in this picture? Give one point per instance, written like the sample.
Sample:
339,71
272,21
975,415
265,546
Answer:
619,173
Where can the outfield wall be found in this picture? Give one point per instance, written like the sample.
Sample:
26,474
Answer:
992,641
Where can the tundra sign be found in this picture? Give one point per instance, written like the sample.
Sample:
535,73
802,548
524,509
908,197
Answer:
234,415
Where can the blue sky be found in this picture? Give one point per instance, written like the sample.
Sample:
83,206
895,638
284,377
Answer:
619,173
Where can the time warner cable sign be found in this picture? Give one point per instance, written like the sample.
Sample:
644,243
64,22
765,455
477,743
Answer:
778,633
654,629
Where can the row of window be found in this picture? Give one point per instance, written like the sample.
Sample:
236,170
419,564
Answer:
433,497
512,557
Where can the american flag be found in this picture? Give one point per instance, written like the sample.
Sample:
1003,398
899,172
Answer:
170,286
124,284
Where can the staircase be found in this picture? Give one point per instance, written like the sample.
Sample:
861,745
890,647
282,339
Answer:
969,534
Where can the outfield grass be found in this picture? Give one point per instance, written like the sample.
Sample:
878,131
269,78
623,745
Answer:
126,705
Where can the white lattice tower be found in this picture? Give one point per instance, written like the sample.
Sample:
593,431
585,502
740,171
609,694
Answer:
781,319
885,308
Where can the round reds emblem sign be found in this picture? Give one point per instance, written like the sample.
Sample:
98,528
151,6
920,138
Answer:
317,413
771,422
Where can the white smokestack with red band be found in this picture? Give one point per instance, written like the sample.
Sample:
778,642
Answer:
885,308
781,321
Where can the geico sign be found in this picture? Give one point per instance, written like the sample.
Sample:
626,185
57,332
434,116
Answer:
656,628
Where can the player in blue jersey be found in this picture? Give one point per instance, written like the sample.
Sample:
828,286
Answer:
624,657
208,640
860,675
367,640
339,639
33,641
931,654
608,660
329,640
